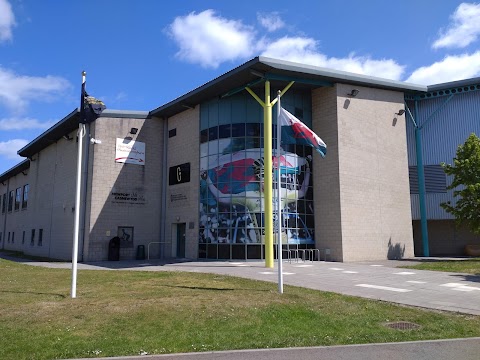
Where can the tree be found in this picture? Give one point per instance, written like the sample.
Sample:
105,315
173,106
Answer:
466,182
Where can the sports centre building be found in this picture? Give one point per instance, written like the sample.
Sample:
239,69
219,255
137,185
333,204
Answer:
185,180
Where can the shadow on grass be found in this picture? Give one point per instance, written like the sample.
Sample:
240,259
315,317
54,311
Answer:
210,288
198,288
450,259
32,293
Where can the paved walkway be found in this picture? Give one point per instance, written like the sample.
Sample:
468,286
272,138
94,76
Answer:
381,280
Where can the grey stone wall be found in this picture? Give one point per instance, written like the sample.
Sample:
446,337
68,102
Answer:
326,192
139,209
51,202
183,199
363,192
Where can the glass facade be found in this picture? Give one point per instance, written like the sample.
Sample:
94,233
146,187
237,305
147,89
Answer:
231,178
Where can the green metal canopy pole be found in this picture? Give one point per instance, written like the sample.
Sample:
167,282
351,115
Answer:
420,169
421,185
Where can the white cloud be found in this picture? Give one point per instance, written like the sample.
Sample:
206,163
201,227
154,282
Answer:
304,50
451,68
121,97
24,124
271,22
208,39
7,21
464,28
9,148
17,91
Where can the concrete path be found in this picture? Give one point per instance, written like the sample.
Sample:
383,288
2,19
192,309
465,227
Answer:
380,280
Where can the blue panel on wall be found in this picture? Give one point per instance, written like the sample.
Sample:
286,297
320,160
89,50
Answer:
224,112
239,111
213,114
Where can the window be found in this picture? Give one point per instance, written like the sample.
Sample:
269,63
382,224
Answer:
18,198
13,237
32,239
4,203
10,200
23,237
40,237
232,222
26,189
172,133
8,240
0,237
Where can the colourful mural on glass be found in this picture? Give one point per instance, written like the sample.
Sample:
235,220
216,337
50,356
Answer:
232,192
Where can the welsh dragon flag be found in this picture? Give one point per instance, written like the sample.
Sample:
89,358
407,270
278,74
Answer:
296,132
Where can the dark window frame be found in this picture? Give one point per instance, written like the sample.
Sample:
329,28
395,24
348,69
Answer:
11,197
26,190
18,198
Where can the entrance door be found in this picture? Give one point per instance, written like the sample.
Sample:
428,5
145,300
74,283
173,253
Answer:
181,228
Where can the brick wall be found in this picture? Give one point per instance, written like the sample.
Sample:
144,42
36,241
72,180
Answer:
183,199
51,200
328,216
107,177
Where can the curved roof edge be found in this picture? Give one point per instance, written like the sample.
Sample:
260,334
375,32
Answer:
249,72
130,114
51,135
452,84
17,169
68,124
331,74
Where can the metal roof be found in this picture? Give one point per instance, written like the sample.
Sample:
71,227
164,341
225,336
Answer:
68,124
17,169
48,137
453,84
279,71
125,114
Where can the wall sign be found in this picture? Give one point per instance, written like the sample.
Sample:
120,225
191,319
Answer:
131,197
130,152
125,233
179,174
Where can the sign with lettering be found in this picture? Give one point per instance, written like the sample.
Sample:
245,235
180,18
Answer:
130,152
179,174
131,197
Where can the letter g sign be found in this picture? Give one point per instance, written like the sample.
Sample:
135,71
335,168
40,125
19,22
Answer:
179,174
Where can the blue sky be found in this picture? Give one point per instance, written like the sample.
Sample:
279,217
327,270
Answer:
141,54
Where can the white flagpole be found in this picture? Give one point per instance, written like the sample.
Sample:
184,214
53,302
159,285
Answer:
279,200
76,231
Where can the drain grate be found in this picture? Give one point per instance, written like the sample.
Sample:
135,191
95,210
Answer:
403,325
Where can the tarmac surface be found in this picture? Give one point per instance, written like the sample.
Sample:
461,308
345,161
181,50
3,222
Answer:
464,349
379,280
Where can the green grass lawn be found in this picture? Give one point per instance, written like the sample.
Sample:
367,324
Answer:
132,312
467,266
